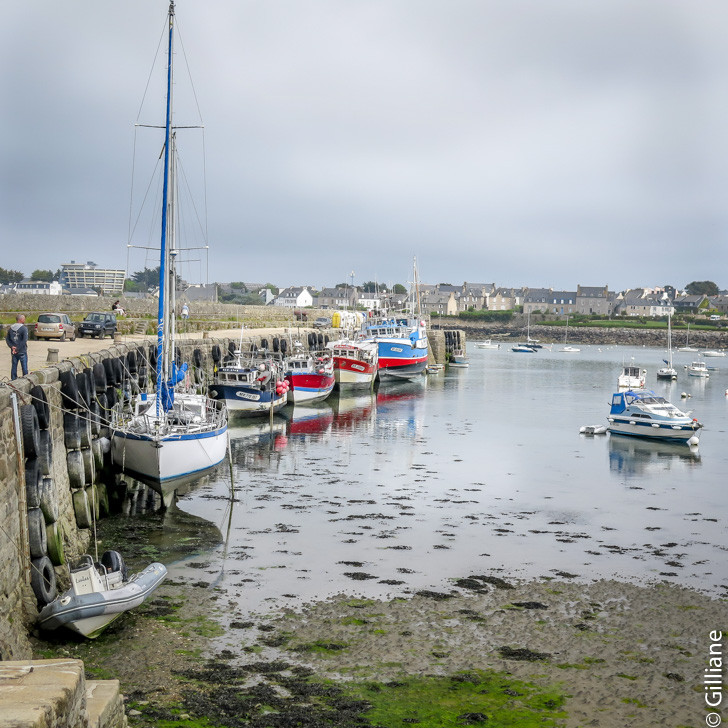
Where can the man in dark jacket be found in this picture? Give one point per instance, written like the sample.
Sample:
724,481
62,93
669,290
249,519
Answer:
17,340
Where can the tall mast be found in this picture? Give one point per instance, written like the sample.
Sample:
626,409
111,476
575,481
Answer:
162,313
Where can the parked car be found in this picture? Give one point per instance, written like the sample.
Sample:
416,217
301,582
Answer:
98,324
322,322
55,326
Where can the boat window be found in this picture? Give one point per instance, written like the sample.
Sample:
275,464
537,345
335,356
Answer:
616,399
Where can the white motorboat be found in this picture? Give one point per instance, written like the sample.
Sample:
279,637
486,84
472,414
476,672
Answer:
99,594
177,431
524,349
458,358
487,344
713,352
632,378
698,369
645,414
668,371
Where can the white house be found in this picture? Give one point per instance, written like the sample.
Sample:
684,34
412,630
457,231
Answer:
294,297
53,288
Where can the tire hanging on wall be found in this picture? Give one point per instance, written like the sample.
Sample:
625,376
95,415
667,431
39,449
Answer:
30,430
197,358
43,580
42,408
110,397
99,377
81,508
98,451
33,480
45,454
215,352
264,343
76,473
276,344
48,503
71,431
84,428
131,361
93,501
69,390
37,538
89,467
56,551
84,389
284,346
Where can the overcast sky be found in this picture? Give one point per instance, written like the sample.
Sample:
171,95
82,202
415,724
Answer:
540,143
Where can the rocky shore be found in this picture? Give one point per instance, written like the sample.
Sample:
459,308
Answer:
602,336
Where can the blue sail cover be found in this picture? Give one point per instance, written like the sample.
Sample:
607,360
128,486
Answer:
178,374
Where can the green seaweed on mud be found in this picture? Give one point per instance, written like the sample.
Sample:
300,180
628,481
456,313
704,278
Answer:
461,699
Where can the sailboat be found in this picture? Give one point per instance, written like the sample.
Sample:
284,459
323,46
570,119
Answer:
531,345
687,346
174,433
668,372
565,348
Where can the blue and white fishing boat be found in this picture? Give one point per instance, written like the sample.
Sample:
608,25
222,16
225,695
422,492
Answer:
176,431
645,414
99,594
250,384
401,340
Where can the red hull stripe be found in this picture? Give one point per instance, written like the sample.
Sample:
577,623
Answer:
389,363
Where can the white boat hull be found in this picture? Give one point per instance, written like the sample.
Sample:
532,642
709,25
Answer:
157,460
654,431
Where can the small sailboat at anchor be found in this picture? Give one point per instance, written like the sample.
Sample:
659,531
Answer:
176,432
668,371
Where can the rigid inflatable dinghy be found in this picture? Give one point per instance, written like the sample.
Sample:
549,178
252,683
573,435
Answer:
99,594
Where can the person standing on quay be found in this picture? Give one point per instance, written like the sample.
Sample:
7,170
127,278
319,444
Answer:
17,340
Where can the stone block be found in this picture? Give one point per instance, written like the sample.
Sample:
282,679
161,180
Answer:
105,704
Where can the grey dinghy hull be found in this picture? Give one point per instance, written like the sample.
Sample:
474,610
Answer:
89,614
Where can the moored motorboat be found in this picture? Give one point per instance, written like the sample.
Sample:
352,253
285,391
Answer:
632,378
524,349
698,369
487,344
99,594
645,414
310,375
355,363
458,358
713,352
250,385
593,429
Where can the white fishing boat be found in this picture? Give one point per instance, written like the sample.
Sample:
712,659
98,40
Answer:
698,369
632,378
645,414
99,594
310,375
355,363
487,344
176,431
713,352
668,371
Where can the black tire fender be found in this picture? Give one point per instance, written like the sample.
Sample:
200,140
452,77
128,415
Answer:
76,472
215,352
69,389
45,455
40,402
30,430
33,479
99,372
37,537
71,431
43,580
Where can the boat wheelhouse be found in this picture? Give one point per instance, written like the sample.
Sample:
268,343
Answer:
632,378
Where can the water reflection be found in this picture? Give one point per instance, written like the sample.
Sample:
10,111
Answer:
632,457
308,420
354,412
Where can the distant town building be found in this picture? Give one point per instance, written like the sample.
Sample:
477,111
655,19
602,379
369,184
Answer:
294,297
342,297
38,287
89,275
594,300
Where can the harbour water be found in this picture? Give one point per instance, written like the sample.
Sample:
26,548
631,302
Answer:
474,471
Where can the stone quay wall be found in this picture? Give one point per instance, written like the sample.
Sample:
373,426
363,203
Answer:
65,526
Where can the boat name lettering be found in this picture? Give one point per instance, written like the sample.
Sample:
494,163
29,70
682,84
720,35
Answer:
358,367
247,395
396,348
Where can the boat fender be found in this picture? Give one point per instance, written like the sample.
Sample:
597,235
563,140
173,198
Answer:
43,580
215,352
